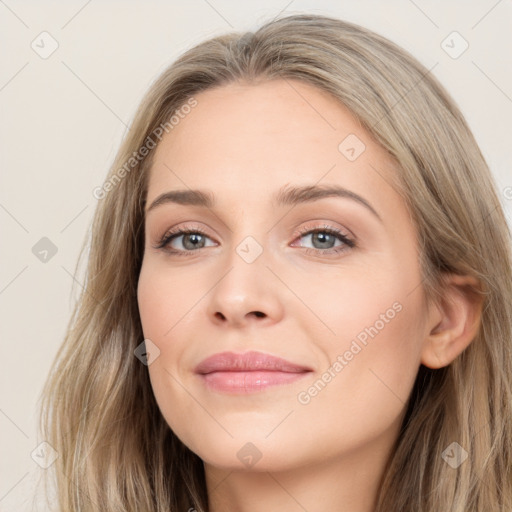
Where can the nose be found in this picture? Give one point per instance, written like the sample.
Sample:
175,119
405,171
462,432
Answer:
247,294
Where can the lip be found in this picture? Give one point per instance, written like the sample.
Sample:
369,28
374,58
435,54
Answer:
248,372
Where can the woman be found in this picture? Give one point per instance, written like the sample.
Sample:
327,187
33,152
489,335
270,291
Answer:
298,293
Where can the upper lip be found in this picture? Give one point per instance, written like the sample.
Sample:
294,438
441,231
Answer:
248,361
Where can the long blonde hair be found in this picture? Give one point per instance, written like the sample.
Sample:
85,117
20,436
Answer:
116,452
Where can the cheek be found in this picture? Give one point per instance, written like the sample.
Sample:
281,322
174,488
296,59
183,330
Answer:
359,301
373,348
363,392
374,359
169,307
164,298
163,304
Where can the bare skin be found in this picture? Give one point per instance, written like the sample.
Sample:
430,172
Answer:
298,299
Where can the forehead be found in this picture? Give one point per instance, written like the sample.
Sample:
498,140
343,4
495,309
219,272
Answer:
257,138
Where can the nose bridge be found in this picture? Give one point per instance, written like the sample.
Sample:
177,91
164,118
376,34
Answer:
246,290
250,235
247,262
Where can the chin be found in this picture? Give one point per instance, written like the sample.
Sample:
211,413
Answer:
246,453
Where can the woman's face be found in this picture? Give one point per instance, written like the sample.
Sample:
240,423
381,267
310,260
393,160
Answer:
328,282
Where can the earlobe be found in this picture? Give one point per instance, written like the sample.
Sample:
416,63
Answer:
455,322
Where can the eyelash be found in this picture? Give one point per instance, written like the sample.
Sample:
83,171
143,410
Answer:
186,230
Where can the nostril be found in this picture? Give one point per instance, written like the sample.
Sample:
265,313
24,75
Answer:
259,313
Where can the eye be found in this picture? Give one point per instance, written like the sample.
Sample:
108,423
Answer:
324,240
192,239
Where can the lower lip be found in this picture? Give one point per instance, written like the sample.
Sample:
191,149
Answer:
249,382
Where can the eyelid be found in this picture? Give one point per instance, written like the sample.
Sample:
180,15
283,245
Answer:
303,230
178,231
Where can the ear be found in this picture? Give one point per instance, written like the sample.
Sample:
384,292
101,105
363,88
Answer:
454,323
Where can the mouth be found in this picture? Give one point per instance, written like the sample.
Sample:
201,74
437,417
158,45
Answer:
248,373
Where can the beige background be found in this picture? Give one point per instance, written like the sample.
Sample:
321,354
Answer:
63,117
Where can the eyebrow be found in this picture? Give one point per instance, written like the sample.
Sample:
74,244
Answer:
286,196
